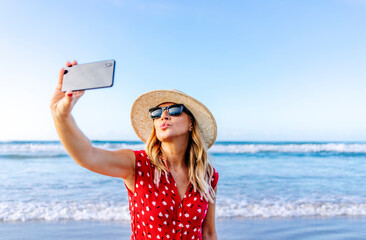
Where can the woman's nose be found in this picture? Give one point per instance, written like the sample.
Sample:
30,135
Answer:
164,115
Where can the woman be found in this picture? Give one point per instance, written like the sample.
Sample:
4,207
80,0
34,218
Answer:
172,185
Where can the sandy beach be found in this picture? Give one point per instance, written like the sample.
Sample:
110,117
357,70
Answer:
231,229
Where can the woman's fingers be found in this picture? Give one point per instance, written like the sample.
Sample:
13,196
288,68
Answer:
60,78
69,100
66,103
74,95
58,94
69,64
62,73
63,102
79,93
69,94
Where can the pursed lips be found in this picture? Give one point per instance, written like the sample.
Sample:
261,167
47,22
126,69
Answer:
164,125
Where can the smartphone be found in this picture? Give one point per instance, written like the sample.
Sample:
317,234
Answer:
89,76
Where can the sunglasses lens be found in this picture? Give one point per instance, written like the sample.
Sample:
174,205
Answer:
155,113
175,110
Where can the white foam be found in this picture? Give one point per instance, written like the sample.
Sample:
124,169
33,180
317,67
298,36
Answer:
47,149
52,148
109,211
30,211
114,146
30,148
290,209
58,148
290,148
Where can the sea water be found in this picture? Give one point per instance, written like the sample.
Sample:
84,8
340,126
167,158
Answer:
40,182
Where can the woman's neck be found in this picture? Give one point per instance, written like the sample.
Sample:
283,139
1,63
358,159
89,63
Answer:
174,154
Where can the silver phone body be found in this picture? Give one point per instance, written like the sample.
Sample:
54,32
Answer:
89,76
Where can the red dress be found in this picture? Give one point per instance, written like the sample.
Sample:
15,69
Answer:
158,213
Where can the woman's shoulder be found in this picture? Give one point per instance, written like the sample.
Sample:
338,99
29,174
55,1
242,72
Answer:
144,170
141,158
140,154
215,178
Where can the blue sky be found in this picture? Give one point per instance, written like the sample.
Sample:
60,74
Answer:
268,70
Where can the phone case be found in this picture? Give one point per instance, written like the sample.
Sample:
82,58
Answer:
89,76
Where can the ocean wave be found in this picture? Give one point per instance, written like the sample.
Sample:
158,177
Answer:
29,147
357,148
59,211
19,150
55,149
33,155
6,147
290,209
109,211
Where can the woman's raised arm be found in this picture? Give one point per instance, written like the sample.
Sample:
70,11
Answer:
120,163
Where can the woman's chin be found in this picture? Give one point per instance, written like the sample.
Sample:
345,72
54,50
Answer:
164,138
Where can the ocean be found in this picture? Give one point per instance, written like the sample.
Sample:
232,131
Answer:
258,181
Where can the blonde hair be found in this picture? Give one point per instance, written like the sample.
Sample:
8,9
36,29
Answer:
200,169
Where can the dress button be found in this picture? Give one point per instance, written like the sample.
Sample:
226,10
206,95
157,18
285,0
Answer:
180,205
179,230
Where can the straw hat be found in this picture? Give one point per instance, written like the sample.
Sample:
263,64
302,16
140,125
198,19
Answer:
143,124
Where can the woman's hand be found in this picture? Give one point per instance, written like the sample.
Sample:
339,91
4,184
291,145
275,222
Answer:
63,102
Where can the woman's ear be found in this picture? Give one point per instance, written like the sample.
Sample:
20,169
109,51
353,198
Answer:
190,127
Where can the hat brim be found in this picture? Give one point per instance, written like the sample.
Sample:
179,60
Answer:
143,125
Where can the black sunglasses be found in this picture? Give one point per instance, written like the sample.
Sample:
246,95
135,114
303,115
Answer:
173,110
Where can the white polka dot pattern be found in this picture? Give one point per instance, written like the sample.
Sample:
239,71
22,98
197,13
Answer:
158,212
